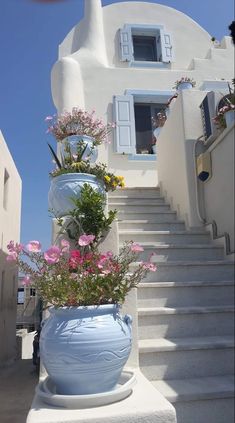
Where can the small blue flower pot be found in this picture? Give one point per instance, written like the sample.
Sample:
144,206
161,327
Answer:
84,349
184,86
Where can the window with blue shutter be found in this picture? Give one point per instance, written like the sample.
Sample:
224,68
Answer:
125,124
145,43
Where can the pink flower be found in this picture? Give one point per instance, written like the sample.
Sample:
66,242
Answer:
65,245
34,247
12,256
26,281
150,266
136,248
48,118
86,240
15,247
52,255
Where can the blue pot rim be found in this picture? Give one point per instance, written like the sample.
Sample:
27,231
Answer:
85,310
75,175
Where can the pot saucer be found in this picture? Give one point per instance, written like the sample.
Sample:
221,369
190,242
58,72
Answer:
46,390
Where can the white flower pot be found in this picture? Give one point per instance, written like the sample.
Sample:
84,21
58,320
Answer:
67,186
229,117
184,86
157,131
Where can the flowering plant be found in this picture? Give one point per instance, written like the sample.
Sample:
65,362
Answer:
219,118
78,122
184,79
73,163
159,120
81,277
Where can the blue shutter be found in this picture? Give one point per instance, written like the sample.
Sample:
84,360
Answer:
166,47
125,124
126,46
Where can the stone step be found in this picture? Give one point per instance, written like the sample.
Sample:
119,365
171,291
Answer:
143,192
190,271
136,201
137,207
150,216
193,321
200,400
186,357
179,294
145,225
171,252
165,237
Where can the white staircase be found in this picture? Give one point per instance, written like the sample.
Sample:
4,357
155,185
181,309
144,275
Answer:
185,308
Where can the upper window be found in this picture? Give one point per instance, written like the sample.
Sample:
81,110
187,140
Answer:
145,43
144,48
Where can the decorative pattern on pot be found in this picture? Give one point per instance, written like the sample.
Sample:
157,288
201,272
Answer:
84,349
66,186
91,151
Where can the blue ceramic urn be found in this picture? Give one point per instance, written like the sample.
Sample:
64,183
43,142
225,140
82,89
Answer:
84,349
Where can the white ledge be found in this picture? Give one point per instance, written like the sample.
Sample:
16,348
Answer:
144,404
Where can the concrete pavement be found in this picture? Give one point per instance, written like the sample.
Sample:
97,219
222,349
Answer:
17,384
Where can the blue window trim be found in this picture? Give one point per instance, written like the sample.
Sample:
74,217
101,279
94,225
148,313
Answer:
142,157
148,96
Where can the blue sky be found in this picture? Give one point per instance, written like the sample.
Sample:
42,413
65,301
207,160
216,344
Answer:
29,36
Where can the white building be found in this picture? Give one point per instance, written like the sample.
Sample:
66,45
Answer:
122,60
10,213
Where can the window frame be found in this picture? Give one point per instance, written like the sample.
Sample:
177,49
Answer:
140,96
127,48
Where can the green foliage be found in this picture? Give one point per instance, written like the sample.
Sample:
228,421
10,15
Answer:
88,215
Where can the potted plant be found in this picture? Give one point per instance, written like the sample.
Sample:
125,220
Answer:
226,110
87,216
71,173
85,342
184,83
79,126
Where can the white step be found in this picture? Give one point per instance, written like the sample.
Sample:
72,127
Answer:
170,252
165,237
150,216
193,321
186,357
200,400
136,201
137,208
179,294
143,192
190,271
145,225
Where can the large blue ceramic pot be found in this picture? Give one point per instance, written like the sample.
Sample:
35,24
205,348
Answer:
91,151
84,349
67,186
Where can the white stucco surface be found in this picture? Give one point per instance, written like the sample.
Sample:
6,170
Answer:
89,77
145,404
10,212
219,190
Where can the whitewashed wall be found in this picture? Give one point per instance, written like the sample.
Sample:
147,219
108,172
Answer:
89,73
219,190
176,170
9,230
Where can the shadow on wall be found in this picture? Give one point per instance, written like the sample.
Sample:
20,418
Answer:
8,294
